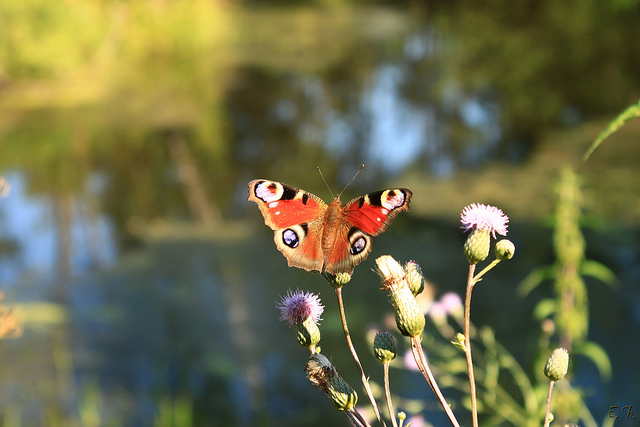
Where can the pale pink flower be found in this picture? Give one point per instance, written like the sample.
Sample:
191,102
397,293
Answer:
452,304
298,306
479,216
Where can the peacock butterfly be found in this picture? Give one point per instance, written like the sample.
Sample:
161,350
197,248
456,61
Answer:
320,237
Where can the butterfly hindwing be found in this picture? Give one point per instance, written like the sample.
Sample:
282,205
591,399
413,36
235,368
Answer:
296,217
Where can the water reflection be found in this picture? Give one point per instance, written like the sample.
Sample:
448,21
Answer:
130,208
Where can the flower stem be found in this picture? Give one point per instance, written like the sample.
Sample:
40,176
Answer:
356,419
485,270
387,394
467,342
365,381
547,418
423,366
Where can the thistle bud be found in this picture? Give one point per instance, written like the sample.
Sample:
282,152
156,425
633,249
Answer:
384,347
324,375
337,280
414,276
308,333
505,249
557,365
409,318
476,248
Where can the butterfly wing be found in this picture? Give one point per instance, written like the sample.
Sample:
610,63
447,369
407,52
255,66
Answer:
363,217
296,216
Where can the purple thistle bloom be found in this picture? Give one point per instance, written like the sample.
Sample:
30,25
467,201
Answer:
479,216
298,306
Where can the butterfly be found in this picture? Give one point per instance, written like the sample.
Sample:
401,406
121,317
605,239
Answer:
320,237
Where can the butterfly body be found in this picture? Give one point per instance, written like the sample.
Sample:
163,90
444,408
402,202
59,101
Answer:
320,237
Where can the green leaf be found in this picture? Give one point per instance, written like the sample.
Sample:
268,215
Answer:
598,271
533,279
544,309
597,355
628,114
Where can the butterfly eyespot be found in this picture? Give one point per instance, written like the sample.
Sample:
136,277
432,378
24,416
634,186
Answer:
358,245
290,238
391,199
269,192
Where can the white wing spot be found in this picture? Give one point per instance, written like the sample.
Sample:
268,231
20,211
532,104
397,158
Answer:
269,191
378,219
392,202
273,204
278,213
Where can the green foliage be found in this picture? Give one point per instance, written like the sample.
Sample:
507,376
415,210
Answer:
569,308
630,113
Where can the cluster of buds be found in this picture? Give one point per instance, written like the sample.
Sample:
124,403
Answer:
409,317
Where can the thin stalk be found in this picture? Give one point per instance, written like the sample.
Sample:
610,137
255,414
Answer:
360,418
365,381
485,270
547,415
467,345
423,366
353,419
387,394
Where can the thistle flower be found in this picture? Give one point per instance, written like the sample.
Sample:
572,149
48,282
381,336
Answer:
438,313
296,307
479,217
453,305
483,221
303,310
324,375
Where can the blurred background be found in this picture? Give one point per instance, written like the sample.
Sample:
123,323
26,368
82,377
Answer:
144,283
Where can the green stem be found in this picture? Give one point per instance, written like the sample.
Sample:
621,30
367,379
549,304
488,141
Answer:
387,394
547,415
423,366
485,270
467,342
365,381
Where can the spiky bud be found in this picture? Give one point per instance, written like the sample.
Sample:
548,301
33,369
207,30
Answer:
557,365
384,347
505,249
324,375
409,318
415,279
476,248
337,280
308,333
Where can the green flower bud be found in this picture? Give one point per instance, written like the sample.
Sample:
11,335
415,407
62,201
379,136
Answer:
337,280
505,249
476,248
414,276
384,347
409,318
308,333
557,365
324,375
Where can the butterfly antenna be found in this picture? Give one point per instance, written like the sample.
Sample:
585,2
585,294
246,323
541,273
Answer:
325,182
354,177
